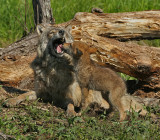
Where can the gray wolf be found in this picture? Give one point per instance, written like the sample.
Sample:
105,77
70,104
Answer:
53,71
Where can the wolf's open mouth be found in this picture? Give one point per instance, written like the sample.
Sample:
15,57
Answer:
59,45
59,48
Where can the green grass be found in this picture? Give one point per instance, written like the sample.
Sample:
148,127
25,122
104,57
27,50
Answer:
155,42
12,13
12,21
67,9
32,121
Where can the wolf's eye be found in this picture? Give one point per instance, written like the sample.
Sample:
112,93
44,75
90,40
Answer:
61,32
50,35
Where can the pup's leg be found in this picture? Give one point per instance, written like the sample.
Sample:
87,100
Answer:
86,98
105,104
97,97
145,112
31,95
93,96
115,98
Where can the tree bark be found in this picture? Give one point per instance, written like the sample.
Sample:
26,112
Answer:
98,30
42,12
122,26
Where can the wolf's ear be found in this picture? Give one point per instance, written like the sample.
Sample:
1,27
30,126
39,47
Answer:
40,28
68,28
68,35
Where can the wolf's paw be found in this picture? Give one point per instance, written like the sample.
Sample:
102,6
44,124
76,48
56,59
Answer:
11,102
71,112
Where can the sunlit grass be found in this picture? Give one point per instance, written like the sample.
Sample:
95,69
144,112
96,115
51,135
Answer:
12,13
65,10
12,20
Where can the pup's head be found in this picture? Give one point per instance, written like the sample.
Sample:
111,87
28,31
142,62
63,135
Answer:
52,39
78,48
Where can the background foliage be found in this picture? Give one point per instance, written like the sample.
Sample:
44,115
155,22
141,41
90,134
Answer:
12,13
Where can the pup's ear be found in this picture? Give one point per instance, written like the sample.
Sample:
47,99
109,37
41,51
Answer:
79,53
40,28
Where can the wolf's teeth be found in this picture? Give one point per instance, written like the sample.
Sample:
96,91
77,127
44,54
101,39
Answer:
63,39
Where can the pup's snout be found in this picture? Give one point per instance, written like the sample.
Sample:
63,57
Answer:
61,32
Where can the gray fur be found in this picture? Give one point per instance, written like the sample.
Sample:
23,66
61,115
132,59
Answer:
54,76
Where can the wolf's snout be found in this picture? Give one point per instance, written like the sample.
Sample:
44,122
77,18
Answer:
61,32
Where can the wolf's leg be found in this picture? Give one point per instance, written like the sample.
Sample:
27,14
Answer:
31,95
73,98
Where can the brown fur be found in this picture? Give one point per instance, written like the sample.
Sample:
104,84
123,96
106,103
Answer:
102,79
93,77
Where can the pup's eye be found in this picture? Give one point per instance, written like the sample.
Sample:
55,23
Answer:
79,52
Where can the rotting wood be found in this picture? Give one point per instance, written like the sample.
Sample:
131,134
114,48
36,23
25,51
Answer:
122,26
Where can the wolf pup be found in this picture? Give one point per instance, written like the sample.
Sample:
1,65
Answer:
53,69
102,79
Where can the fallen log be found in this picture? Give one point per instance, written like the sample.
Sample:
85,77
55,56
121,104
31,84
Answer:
96,30
121,26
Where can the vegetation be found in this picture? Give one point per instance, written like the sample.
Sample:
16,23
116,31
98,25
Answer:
13,24
36,120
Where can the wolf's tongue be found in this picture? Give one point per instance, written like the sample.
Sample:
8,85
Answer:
59,50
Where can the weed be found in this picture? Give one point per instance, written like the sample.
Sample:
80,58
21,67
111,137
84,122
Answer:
30,122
